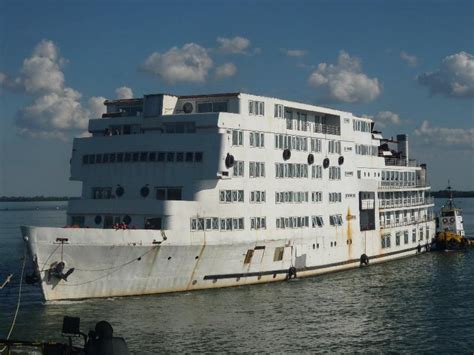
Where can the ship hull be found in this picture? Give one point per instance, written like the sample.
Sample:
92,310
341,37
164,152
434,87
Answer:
110,263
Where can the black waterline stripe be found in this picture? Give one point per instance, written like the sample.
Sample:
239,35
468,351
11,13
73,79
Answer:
310,268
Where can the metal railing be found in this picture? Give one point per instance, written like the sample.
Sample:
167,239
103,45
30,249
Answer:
327,129
402,184
405,202
405,222
400,162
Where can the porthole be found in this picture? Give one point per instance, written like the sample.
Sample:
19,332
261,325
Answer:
229,161
310,159
326,163
119,191
127,219
98,219
169,257
286,154
341,160
144,191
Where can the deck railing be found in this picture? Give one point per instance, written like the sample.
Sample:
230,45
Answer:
401,184
405,221
400,162
327,129
405,202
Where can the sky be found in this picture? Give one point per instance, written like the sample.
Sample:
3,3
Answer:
407,64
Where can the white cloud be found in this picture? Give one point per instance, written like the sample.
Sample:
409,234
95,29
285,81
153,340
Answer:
453,78
411,60
124,92
225,70
385,118
56,115
236,45
56,110
462,138
191,63
294,52
344,81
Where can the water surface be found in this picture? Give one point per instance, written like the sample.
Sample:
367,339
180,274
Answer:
419,304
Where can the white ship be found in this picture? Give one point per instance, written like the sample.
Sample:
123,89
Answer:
193,192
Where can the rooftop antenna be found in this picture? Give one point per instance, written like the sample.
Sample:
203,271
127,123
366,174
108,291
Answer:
450,195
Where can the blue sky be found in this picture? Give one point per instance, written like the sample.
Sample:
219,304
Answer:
408,64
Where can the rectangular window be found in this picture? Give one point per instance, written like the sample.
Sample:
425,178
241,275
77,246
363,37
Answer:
237,138
256,169
189,157
204,107
278,255
143,156
231,196
180,157
160,194
170,156
78,221
174,194
219,106
238,168
198,157
153,223
278,112
248,256
135,156
160,157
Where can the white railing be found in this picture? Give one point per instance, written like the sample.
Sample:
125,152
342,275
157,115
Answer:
327,129
401,184
405,222
405,202
400,162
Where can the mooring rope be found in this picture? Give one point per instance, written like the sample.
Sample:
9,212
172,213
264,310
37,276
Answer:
19,298
113,268
7,280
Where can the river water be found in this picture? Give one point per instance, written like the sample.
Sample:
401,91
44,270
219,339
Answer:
419,304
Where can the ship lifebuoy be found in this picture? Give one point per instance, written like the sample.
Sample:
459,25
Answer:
445,220
451,220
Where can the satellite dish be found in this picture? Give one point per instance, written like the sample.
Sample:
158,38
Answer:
188,107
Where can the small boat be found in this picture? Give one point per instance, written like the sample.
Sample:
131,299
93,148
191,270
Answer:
98,342
450,234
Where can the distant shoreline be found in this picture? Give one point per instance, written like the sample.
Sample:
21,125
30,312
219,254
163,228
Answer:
36,198
436,194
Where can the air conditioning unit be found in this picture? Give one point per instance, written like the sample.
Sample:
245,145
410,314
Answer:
186,107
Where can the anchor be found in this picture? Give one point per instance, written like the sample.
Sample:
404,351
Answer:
57,269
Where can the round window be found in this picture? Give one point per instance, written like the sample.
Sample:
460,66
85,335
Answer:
326,163
341,160
229,161
119,191
286,154
310,159
144,191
